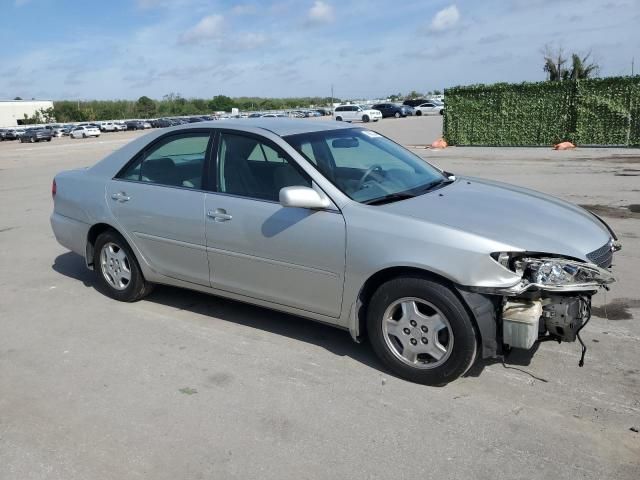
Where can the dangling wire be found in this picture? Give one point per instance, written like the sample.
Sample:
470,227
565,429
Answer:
587,314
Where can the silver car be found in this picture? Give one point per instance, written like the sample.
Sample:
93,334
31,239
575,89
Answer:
341,225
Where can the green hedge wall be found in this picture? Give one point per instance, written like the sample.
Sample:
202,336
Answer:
587,112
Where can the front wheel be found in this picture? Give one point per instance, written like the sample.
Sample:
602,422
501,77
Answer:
419,113
421,330
365,118
338,119
397,114
118,271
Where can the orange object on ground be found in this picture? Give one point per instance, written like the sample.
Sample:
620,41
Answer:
440,143
564,146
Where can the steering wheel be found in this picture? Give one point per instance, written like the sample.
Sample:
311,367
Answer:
366,174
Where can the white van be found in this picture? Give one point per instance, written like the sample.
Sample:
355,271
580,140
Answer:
349,113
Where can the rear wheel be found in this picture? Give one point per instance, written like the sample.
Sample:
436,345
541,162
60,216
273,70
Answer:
441,112
118,271
421,330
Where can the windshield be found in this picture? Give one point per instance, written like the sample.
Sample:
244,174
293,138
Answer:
365,165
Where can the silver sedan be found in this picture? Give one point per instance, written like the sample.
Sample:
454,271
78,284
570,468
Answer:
341,225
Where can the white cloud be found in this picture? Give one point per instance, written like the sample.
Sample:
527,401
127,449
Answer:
320,12
209,28
445,19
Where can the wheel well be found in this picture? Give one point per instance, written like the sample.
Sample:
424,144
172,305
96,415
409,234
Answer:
92,235
378,278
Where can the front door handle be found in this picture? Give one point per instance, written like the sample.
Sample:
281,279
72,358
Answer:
219,215
121,197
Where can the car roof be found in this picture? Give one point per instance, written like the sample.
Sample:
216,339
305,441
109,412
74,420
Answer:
277,125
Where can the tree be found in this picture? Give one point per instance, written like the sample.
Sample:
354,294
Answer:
555,65
581,68
18,98
414,94
221,103
145,106
437,92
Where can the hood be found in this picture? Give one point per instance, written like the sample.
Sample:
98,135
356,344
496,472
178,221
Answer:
526,219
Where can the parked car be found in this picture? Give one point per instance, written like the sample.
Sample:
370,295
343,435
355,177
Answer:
341,225
39,134
2,132
60,132
84,132
391,110
255,115
415,102
194,120
430,108
11,134
349,113
324,111
164,123
110,127
135,125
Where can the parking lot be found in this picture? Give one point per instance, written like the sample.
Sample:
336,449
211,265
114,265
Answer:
183,385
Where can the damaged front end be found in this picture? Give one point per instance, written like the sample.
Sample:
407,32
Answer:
552,301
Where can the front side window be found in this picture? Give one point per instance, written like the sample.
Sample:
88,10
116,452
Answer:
252,168
365,165
178,161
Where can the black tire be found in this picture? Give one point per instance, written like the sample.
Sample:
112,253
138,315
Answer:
48,139
137,287
31,140
365,118
442,112
397,114
338,118
418,113
84,135
465,340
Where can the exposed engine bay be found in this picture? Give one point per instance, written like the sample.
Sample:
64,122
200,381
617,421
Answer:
526,321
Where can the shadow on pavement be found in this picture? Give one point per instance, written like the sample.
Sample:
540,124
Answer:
298,328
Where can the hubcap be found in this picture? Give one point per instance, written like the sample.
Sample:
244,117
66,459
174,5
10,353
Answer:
417,333
115,266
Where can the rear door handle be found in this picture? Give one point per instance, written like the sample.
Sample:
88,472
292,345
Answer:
121,197
219,215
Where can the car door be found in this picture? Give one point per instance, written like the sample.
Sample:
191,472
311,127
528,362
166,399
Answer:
256,247
158,200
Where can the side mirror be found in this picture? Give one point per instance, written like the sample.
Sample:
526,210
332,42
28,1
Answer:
302,197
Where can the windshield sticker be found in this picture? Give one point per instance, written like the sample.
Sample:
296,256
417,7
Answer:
371,134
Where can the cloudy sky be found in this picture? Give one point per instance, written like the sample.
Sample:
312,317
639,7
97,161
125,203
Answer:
366,48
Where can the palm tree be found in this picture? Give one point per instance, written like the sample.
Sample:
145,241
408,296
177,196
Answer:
581,69
554,65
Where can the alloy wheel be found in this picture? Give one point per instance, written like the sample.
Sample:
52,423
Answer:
417,333
115,266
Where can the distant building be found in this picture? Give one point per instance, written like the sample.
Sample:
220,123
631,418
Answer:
12,112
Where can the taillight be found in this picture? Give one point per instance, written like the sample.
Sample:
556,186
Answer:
53,188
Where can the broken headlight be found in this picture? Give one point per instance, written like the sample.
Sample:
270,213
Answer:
561,272
554,273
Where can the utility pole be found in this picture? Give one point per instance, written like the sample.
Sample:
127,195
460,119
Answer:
332,95
632,65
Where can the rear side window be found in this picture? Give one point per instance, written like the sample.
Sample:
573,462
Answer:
178,161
